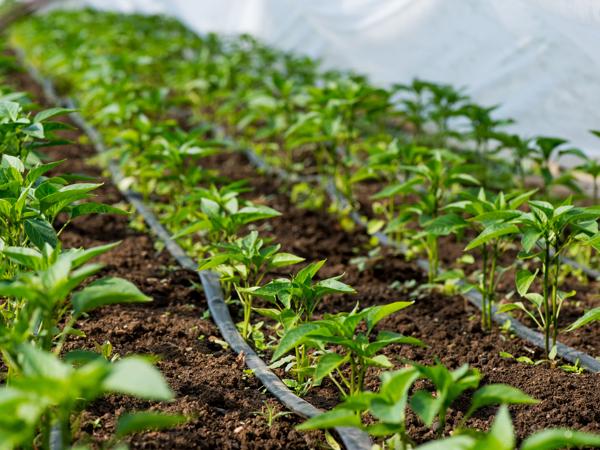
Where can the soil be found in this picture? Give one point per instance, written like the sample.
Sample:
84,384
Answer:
210,383
448,325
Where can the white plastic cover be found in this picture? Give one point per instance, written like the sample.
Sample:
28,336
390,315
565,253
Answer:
539,58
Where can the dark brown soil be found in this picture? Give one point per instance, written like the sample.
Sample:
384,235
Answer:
211,384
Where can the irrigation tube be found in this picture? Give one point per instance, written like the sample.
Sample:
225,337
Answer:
352,438
585,360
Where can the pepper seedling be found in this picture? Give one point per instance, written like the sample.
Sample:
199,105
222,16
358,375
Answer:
243,264
501,436
45,296
48,394
436,177
223,213
358,350
547,233
388,406
295,300
494,221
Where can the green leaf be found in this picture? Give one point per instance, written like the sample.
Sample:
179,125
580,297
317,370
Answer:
129,423
379,361
107,291
136,376
529,238
35,130
396,384
491,232
327,364
377,313
535,298
333,285
71,192
52,112
494,394
444,225
14,162
25,256
40,233
331,419
284,260
389,412
79,256
425,406
560,438
38,363
395,189
501,435
451,443
517,201
10,110
523,281
38,171
95,208
254,213
592,315
309,271
375,225
293,338
385,338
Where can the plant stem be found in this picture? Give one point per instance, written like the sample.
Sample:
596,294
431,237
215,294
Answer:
432,246
484,288
491,293
339,386
547,319
554,298
247,306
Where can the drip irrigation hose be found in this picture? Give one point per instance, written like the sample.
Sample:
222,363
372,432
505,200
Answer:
352,438
566,352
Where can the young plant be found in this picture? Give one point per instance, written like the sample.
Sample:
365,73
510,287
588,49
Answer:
548,232
423,102
42,304
270,412
223,213
243,264
40,405
358,349
388,405
21,135
436,178
501,436
450,385
494,221
295,300
30,201
170,165
389,165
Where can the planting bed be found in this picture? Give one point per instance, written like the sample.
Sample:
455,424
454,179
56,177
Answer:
352,325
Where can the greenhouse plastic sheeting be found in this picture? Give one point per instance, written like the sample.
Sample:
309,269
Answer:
539,58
